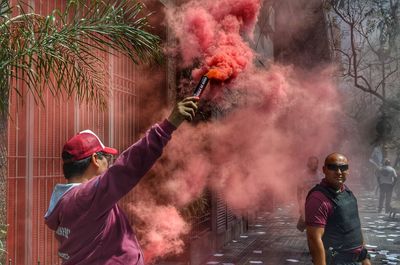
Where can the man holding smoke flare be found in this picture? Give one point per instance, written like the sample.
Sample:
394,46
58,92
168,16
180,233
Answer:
90,226
333,223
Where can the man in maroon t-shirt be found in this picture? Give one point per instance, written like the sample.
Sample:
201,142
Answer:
333,224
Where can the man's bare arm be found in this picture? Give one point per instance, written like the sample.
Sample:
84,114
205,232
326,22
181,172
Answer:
365,261
315,244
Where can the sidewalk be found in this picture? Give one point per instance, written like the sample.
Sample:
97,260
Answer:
272,238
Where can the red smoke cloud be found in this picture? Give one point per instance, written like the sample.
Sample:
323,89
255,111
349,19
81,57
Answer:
212,34
264,143
274,120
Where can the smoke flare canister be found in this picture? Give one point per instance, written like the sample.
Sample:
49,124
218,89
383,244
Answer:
200,86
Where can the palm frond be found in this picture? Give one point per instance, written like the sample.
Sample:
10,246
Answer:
60,52
5,10
5,57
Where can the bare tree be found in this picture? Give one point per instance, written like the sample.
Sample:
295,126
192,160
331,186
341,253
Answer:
365,36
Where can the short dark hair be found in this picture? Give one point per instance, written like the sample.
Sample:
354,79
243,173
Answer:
74,168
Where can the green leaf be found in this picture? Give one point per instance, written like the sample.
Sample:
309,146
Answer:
64,45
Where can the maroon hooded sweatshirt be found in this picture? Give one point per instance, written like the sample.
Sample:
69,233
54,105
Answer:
89,225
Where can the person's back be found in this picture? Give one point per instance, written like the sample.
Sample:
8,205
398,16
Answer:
89,232
387,177
92,237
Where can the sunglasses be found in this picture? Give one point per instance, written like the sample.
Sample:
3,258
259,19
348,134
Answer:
335,167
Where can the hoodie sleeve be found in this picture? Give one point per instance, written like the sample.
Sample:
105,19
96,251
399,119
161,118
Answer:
101,193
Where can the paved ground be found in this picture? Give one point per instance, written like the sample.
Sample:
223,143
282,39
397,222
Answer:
273,239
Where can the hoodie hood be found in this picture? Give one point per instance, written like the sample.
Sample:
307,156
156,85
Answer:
58,192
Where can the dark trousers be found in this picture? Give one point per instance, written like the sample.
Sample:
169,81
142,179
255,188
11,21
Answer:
385,194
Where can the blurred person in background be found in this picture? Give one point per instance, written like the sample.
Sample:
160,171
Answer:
377,158
310,177
387,178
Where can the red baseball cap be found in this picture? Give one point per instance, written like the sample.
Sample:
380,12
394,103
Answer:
84,144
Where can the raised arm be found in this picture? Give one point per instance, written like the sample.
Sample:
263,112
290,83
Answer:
107,189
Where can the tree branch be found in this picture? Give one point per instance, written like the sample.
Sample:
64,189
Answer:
387,76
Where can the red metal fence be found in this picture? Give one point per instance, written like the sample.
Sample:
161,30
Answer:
36,135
